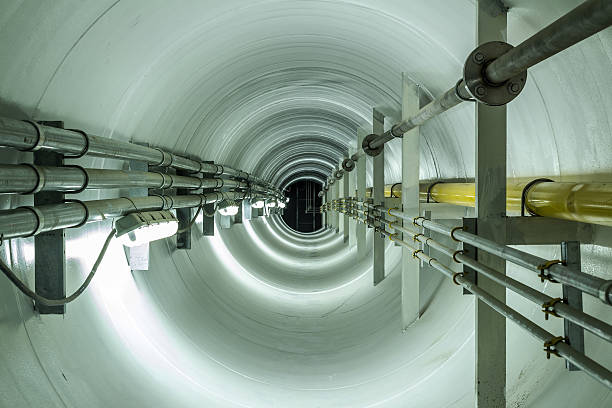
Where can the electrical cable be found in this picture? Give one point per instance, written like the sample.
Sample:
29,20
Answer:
57,302
193,220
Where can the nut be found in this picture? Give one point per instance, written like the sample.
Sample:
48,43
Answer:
479,57
481,91
514,88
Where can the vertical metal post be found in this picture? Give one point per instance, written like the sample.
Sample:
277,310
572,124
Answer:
183,239
50,247
138,256
247,210
410,202
361,189
574,334
490,213
352,185
208,222
378,194
470,225
324,215
345,195
239,216
336,213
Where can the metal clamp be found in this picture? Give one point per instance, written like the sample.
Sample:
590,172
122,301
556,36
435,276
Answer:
605,290
526,191
455,277
549,307
429,190
40,178
482,89
415,253
452,233
548,346
40,137
85,218
86,144
544,267
416,237
166,160
457,253
85,175
40,220
414,220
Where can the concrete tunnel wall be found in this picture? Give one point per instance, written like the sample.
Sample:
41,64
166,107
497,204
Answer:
259,316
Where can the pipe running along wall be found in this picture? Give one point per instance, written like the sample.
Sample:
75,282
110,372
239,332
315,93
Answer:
257,315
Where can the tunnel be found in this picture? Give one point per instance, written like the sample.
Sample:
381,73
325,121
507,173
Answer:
263,314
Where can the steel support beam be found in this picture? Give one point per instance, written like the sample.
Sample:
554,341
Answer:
50,247
352,186
574,334
378,194
410,202
490,213
345,195
138,256
360,174
183,239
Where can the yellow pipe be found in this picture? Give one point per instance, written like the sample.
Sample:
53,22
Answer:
583,202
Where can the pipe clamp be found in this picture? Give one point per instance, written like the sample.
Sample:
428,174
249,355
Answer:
40,137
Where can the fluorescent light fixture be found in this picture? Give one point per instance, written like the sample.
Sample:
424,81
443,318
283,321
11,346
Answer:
228,207
258,204
142,227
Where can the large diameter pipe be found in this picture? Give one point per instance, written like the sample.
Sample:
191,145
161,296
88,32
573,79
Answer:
29,136
28,221
583,202
27,179
582,22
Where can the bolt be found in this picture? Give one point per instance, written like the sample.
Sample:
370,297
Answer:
481,91
514,88
479,57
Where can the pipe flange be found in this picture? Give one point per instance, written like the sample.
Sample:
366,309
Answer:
40,137
338,174
365,145
483,90
40,178
348,165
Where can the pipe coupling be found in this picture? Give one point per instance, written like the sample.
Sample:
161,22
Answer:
40,137
348,165
477,83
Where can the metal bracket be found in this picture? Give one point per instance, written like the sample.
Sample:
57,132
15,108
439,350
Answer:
483,90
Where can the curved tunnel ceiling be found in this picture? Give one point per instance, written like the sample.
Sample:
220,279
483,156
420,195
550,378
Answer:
259,316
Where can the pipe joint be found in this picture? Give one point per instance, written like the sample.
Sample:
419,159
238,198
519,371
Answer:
40,178
483,89
40,137
365,145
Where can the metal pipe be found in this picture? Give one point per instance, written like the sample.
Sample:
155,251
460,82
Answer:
592,368
589,284
590,323
582,202
28,221
26,179
31,136
446,101
582,22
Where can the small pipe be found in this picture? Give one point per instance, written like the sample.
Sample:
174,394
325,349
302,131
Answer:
592,368
589,284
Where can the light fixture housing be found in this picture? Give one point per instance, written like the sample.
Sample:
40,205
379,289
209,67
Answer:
142,227
258,203
228,207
